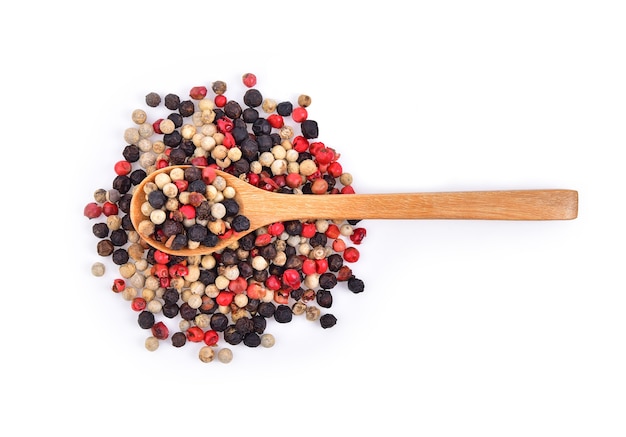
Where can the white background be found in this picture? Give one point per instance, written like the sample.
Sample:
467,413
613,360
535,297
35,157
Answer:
465,328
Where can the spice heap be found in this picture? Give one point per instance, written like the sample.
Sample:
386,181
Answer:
278,272
190,207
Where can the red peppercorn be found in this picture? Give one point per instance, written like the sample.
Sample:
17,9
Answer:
122,168
293,180
188,211
160,270
138,304
308,230
273,283
225,125
181,185
276,121
195,334
315,147
319,186
109,208
178,270
211,337
208,175
262,240
332,231
220,100
300,144
358,235
291,278
347,190
249,80
161,257
156,126
160,330
224,298
321,265
238,285
344,273
308,266
256,291
92,210
281,297
299,114
162,163
351,254
119,285
198,92
199,161
334,169
339,245
276,229
325,155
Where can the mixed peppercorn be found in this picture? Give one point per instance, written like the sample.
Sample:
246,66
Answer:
273,274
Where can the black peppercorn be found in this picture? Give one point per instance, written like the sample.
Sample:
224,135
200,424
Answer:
173,139
186,108
197,232
247,242
187,312
232,336
240,223
127,223
252,307
229,257
172,101
131,153
105,247
264,142
268,252
136,176
240,133
218,322
324,298
192,174
250,115
232,109
328,321
119,237
179,339
245,269
211,240
296,294
145,319
157,199
261,127
260,275
170,295
253,98
283,314
169,226
252,339
284,109
267,309
177,119
327,280
122,184
170,310
260,323
100,230
207,276
153,100
180,242
188,147
250,149
319,239
244,325
232,207
120,256
293,227
177,156
356,285
309,129
293,262
335,261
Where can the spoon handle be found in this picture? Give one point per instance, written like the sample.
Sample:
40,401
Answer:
552,204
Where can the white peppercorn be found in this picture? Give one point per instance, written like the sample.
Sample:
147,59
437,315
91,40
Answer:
267,340
152,343
225,355
206,354
98,269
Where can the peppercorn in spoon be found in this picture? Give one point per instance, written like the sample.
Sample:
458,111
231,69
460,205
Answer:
256,208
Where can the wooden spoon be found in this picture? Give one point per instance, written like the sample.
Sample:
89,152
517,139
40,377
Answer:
263,207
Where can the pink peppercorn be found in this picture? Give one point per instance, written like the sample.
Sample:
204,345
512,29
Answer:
119,285
334,169
160,330
92,210
238,285
220,100
109,209
300,144
276,229
249,80
299,114
198,92
161,257
156,126
351,254
122,168
308,230
357,235
309,267
211,337
276,121
224,298
138,304
273,283
188,211
195,334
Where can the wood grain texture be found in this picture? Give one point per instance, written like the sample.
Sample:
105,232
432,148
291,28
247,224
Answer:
263,207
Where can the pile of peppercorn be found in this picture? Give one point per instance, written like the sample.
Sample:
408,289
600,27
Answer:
271,275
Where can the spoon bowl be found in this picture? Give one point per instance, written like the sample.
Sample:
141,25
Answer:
263,207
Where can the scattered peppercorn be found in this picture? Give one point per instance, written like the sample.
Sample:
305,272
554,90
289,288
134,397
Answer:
268,276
